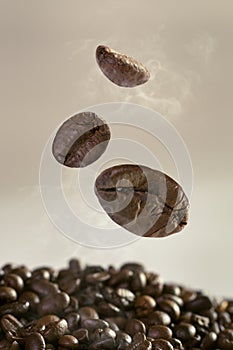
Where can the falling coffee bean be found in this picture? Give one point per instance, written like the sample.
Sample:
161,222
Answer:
144,201
81,140
121,69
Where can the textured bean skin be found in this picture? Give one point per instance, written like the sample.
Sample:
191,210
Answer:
81,140
142,200
121,69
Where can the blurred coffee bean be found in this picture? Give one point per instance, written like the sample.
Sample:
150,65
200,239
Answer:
173,297
72,319
160,331
43,287
41,274
184,331
68,342
171,307
161,344
73,305
87,312
225,339
91,324
53,304
171,289
9,323
7,294
14,281
44,321
34,341
122,340
108,310
133,266
120,277
22,271
82,335
16,308
53,331
144,305
159,317
209,340
138,281
69,284
200,303
31,298
134,326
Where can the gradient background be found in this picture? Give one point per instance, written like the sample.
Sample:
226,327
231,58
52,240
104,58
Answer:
48,72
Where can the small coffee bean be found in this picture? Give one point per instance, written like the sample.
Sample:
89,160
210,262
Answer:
15,346
72,319
16,308
41,274
133,266
108,309
200,303
92,324
159,318
82,335
14,281
120,321
225,339
134,326
162,344
107,343
144,201
73,305
184,331
120,277
141,345
86,312
9,323
121,69
68,342
122,340
53,304
144,305
35,341
176,343
160,331
7,294
138,281
154,285
22,271
43,287
31,298
55,330
46,320
172,289
173,297
208,341
170,307
50,347
69,284
98,277
81,140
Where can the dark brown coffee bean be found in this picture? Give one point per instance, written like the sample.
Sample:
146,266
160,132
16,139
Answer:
22,271
120,321
14,281
69,284
209,341
171,307
81,140
138,281
72,319
134,326
144,305
184,331
200,303
7,294
55,330
50,347
172,289
120,277
160,331
122,70
142,200
41,274
141,345
73,305
225,339
82,335
122,340
45,320
87,312
161,344
108,344
108,310
15,346
34,341
53,304
68,342
16,308
173,297
9,323
92,324
159,318
176,343
31,298
43,287
133,266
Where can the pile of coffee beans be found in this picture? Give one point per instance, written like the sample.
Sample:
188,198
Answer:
107,308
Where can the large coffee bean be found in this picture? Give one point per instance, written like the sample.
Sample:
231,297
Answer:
121,69
142,200
81,140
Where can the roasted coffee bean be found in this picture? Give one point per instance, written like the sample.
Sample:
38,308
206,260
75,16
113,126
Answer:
160,331
9,323
68,342
22,271
69,284
142,200
46,320
120,277
140,345
55,330
154,285
107,343
81,140
144,305
171,289
82,335
208,341
184,331
200,303
72,320
14,281
87,312
16,308
15,346
50,347
159,318
173,297
176,343
92,324
225,339
108,310
43,287
120,321
134,326
34,341
53,304
138,281
161,344
7,294
73,305
171,307
122,340
133,266
31,298
41,274
121,69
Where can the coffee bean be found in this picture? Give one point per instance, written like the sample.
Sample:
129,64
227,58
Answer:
35,341
160,331
55,330
81,140
11,324
121,69
14,281
92,324
43,287
7,294
172,289
16,308
140,345
31,298
138,281
122,340
208,341
176,343
159,318
82,335
173,297
87,312
53,304
200,303
134,326
72,319
68,342
22,271
171,307
161,344
108,310
142,200
144,305
225,339
133,266
184,331
44,321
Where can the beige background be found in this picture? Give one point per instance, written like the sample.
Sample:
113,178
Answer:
48,72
